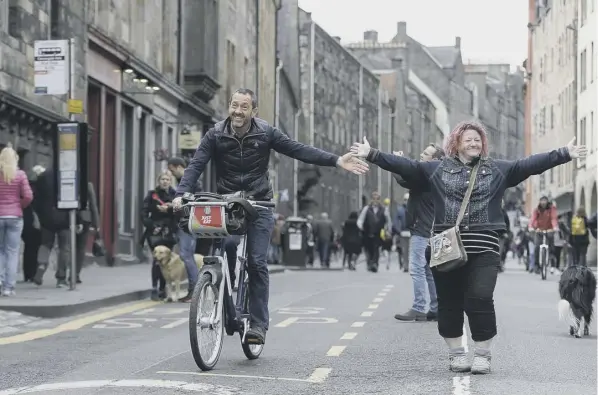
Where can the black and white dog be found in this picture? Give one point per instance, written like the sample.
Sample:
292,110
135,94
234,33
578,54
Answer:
577,288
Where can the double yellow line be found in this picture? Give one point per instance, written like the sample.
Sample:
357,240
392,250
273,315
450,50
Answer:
75,324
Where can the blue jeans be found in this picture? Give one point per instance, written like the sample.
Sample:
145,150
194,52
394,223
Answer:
186,251
324,251
10,242
421,274
259,233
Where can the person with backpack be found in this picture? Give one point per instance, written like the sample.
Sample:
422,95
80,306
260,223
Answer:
580,238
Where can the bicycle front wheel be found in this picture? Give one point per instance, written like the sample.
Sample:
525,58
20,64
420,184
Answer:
544,263
206,337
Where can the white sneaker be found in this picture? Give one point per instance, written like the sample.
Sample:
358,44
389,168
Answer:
458,362
8,292
552,270
481,364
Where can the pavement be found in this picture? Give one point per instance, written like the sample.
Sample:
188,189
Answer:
331,332
101,286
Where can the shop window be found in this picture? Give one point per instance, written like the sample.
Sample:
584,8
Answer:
158,147
127,160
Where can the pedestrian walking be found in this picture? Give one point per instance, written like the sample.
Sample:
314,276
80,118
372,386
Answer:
351,241
372,220
418,221
15,195
466,284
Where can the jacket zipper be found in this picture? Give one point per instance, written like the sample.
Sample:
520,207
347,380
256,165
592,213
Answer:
241,147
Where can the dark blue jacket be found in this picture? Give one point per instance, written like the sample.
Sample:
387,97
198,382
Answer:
419,216
242,163
448,179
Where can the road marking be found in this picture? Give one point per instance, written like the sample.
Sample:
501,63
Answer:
306,320
236,376
75,324
464,339
382,294
390,286
173,385
378,300
334,351
461,385
367,313
348,336
358,324
373,306
176,323
319,375
300,310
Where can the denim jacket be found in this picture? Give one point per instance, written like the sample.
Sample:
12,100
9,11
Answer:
448,180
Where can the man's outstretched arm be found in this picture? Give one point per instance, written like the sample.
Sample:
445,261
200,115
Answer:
305,153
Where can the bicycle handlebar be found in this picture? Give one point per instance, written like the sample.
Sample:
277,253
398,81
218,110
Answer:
193,199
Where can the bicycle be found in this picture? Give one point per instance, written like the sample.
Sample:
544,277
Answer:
545,256
215,216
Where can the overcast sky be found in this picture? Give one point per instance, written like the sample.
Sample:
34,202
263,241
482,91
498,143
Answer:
490,30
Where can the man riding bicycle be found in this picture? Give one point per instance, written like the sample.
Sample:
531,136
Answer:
544,218
240,148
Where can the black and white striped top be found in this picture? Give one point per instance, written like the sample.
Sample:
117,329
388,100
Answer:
476,242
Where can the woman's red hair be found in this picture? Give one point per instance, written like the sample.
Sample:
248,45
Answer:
451,147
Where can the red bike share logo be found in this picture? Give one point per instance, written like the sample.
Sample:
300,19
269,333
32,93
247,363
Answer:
208,216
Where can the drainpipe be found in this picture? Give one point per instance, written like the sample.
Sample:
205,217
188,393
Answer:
360,179
277,120
380,135
312,83
296,166
257,48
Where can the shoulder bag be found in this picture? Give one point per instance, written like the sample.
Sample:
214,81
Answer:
447,251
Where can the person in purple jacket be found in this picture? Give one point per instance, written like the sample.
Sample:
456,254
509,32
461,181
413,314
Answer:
239,147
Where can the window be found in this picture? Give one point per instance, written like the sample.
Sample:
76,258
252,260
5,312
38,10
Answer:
230,64
170,142
584,11
551,117
582,131
592,62
245,72
15,16
582,71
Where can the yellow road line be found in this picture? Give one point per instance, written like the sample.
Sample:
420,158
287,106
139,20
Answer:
75,324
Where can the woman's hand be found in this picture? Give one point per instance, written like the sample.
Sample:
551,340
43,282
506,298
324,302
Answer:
576,151
361,150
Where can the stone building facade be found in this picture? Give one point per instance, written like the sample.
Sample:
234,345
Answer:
144,77
340,100
553,96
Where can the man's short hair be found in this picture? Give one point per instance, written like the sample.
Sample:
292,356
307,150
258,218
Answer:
177,161
245,91
439,153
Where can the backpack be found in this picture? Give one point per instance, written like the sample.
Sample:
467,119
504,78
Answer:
578,226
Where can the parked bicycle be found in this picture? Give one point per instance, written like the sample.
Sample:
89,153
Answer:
213,216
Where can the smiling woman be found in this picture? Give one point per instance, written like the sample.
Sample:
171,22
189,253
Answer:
467,189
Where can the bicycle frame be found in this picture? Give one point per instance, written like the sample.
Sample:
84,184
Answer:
544,247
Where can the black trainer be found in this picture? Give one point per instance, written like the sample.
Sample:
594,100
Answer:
432,316
256,335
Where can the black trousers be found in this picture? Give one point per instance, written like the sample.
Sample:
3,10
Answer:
33,239
468,290
371,245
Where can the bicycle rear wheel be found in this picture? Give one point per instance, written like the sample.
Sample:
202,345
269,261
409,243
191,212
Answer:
202,306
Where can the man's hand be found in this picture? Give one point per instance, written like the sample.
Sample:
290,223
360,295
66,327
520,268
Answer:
353,164
163,208
177,203
576,151
361,150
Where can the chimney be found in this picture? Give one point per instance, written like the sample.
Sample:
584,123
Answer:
337,38
370,35
402,30
458,42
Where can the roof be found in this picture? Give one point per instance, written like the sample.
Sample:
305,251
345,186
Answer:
446,56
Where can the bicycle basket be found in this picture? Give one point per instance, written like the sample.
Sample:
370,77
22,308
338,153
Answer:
208,220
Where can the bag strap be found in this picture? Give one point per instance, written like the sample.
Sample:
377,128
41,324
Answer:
472,177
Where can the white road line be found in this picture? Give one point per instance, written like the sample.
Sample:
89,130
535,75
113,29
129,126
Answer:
176,323
367,313
319,375
461,385
464,339
235,376
335,351
348,336
390,286
162,384
377,300
382,294
373,306
286,322
358,324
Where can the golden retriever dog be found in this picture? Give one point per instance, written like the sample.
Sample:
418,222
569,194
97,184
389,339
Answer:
173,270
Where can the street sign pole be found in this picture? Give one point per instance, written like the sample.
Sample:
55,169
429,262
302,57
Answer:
73,212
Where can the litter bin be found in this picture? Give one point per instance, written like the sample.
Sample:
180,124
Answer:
295,241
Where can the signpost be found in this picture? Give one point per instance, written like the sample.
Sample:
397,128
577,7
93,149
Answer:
54,67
